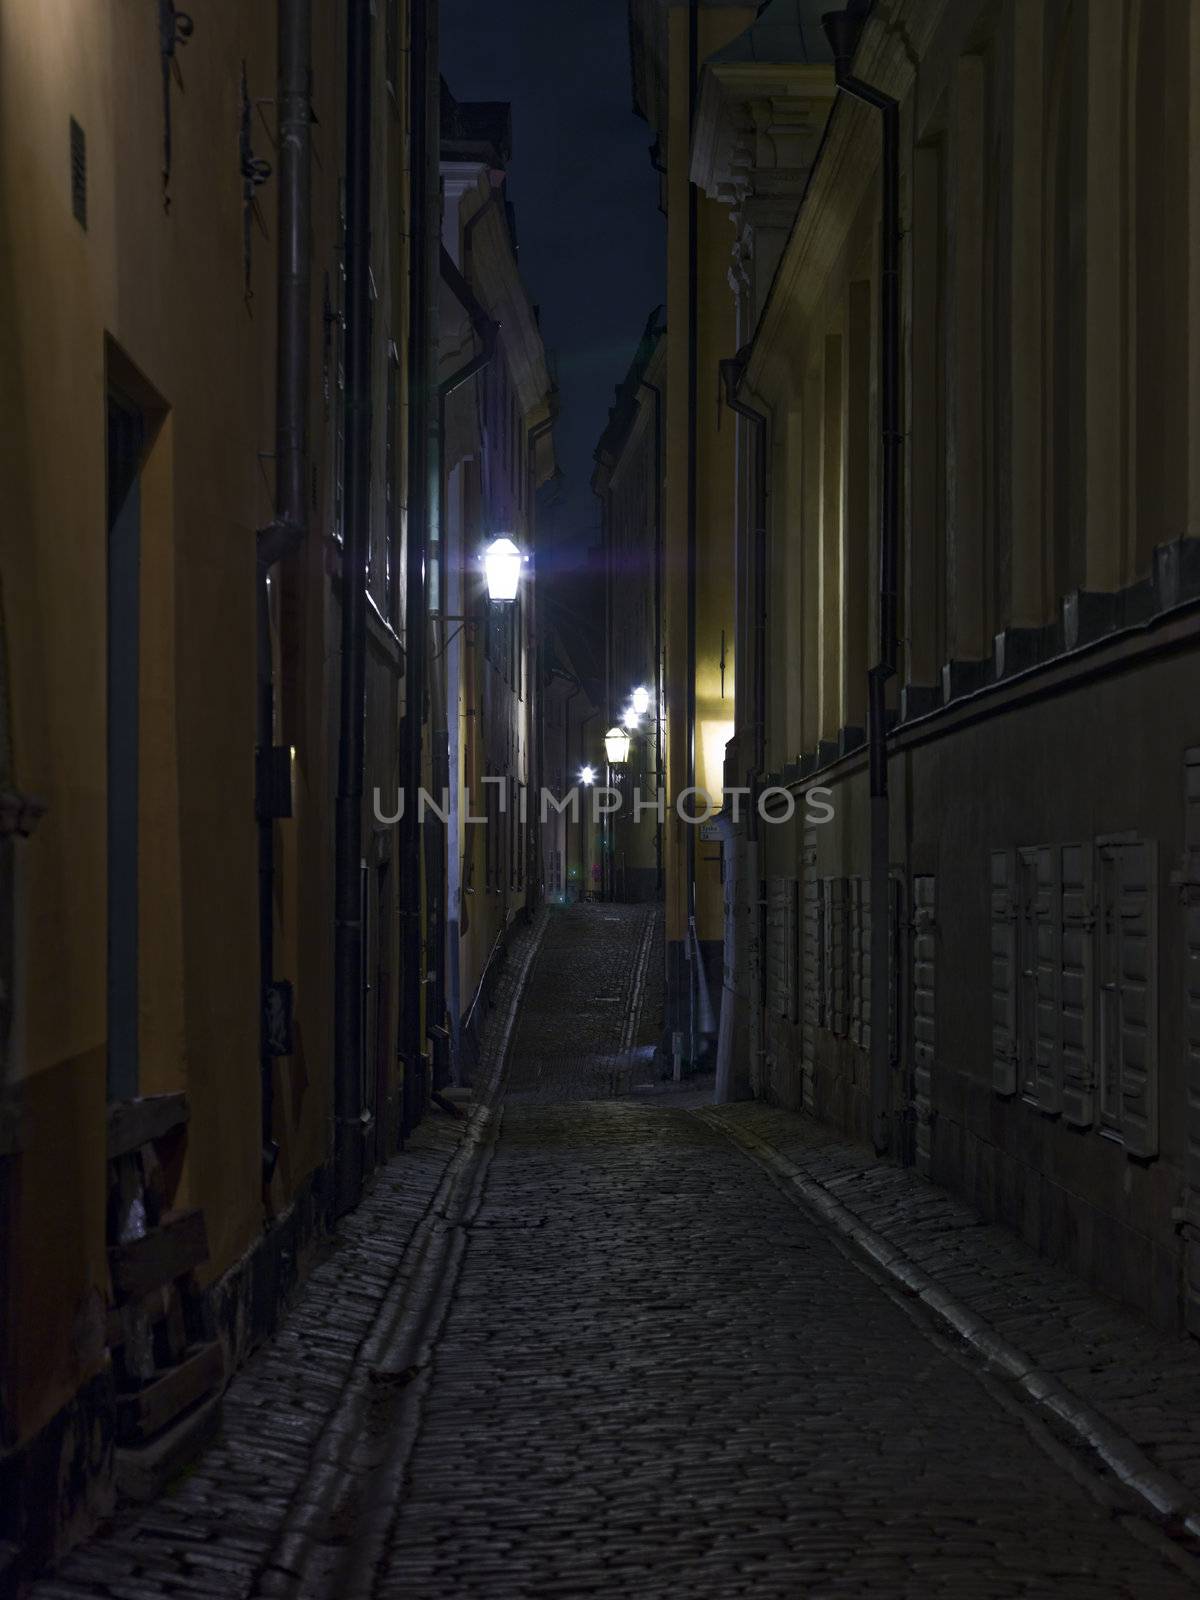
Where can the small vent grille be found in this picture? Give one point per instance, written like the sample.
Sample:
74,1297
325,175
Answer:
79,173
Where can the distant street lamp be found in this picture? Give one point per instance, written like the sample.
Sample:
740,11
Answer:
587,775
502,564
631,718
640,701
616,746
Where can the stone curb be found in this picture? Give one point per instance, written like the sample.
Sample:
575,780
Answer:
396,1349
1164,1495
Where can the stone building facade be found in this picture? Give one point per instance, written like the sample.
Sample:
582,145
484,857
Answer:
220,239
497,453
985,961
629,481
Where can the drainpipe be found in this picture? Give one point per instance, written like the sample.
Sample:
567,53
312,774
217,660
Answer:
658,590
436,853
843,29
423,488
348,929
583,809
731,374
286,533
693,354
533,876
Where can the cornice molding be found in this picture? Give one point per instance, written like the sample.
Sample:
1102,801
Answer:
848,165
759,121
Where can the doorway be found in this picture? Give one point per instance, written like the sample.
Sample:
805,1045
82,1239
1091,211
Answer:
126,437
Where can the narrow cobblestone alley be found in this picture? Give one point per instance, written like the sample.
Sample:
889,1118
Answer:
642,1369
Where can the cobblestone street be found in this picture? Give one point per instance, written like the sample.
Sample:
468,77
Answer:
614,1354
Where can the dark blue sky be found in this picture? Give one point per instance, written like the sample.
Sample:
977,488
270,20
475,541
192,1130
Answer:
592,240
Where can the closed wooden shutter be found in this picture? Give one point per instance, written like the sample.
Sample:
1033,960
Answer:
1004,971
924,949
1190,891
1077,984
1138,1008
859,904
893,971
810,976
1045,987
783,899
836,956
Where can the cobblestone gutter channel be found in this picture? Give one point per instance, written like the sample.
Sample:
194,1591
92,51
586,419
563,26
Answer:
614,1356
268,1509
1111,1383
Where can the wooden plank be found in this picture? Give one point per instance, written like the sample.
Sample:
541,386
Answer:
133,1123
178,1244
144,1413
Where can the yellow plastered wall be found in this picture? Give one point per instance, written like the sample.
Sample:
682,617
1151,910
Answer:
160,296
715,483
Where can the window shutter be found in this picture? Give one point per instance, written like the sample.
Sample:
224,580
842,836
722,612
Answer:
1191,1013
838,965
815,978
859,952
923,959
782,901
810,966
1138,1009
1047,933
1004,974
1078,984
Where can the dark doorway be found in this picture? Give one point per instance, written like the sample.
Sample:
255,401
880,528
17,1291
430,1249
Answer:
126,439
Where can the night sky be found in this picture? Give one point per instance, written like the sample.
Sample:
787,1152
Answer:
592,240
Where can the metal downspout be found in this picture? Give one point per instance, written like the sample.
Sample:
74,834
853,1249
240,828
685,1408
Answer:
348,932
693,352
658,594
435,832
731,373
286,533
422,510
843,29
582,817
533,876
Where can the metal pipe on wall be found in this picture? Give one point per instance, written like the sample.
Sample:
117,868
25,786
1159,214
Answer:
436,847
285,534
658,598
731,373
693,354
843,29
348,926
533,876
423,513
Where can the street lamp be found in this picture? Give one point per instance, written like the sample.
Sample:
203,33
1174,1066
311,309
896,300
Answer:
640,701
587,775
616,746
630,718
502,564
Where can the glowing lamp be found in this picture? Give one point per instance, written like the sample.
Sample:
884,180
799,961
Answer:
502,564
616,746
587,775
640,701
